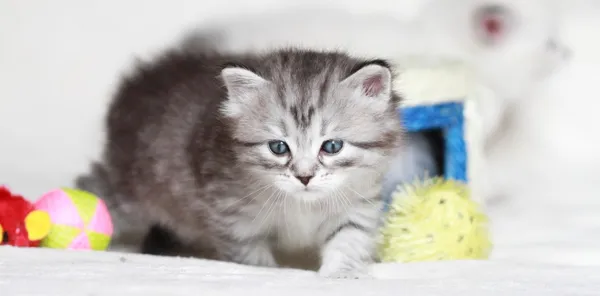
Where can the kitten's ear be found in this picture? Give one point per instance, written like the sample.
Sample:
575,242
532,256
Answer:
239,80
372,80
492,23
242,85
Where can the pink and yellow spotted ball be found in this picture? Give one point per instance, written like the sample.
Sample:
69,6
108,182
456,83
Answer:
80,220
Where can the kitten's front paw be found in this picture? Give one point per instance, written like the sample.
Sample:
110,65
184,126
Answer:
256,254
361,273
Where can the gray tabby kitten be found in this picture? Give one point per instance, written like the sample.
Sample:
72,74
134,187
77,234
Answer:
238,158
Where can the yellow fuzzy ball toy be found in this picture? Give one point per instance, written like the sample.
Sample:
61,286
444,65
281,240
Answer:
434,220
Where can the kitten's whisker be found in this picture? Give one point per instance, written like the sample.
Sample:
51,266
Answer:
274,205
331,199
360,195
285,200
334,200
346,201
340,202
335,203
269,211
285,214
257,192
327,202
320,203
263,206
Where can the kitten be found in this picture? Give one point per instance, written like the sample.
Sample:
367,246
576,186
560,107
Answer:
277,152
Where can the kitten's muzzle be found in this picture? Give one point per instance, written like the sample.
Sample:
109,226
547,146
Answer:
304,179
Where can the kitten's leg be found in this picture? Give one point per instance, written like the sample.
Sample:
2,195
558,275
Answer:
163,241
254,252
160,241
349,249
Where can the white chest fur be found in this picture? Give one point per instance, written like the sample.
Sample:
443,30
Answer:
288,231
292,224
299,226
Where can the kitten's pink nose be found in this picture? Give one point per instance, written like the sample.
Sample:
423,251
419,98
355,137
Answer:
304,179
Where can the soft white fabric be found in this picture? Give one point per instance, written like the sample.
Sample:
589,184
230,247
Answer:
54,272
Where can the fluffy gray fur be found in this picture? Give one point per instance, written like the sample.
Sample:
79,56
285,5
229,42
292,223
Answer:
187,151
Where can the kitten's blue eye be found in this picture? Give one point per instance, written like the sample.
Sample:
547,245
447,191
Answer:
332,146
279,147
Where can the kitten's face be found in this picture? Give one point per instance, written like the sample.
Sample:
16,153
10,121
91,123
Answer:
317,136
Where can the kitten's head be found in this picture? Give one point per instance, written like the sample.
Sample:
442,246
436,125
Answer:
312,124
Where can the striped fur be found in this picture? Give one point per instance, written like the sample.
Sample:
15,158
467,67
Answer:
187,156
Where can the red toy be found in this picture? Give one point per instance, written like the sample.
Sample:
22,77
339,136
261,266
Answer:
20,224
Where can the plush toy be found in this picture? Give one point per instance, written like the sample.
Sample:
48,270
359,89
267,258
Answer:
21,225
434,220
80,220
